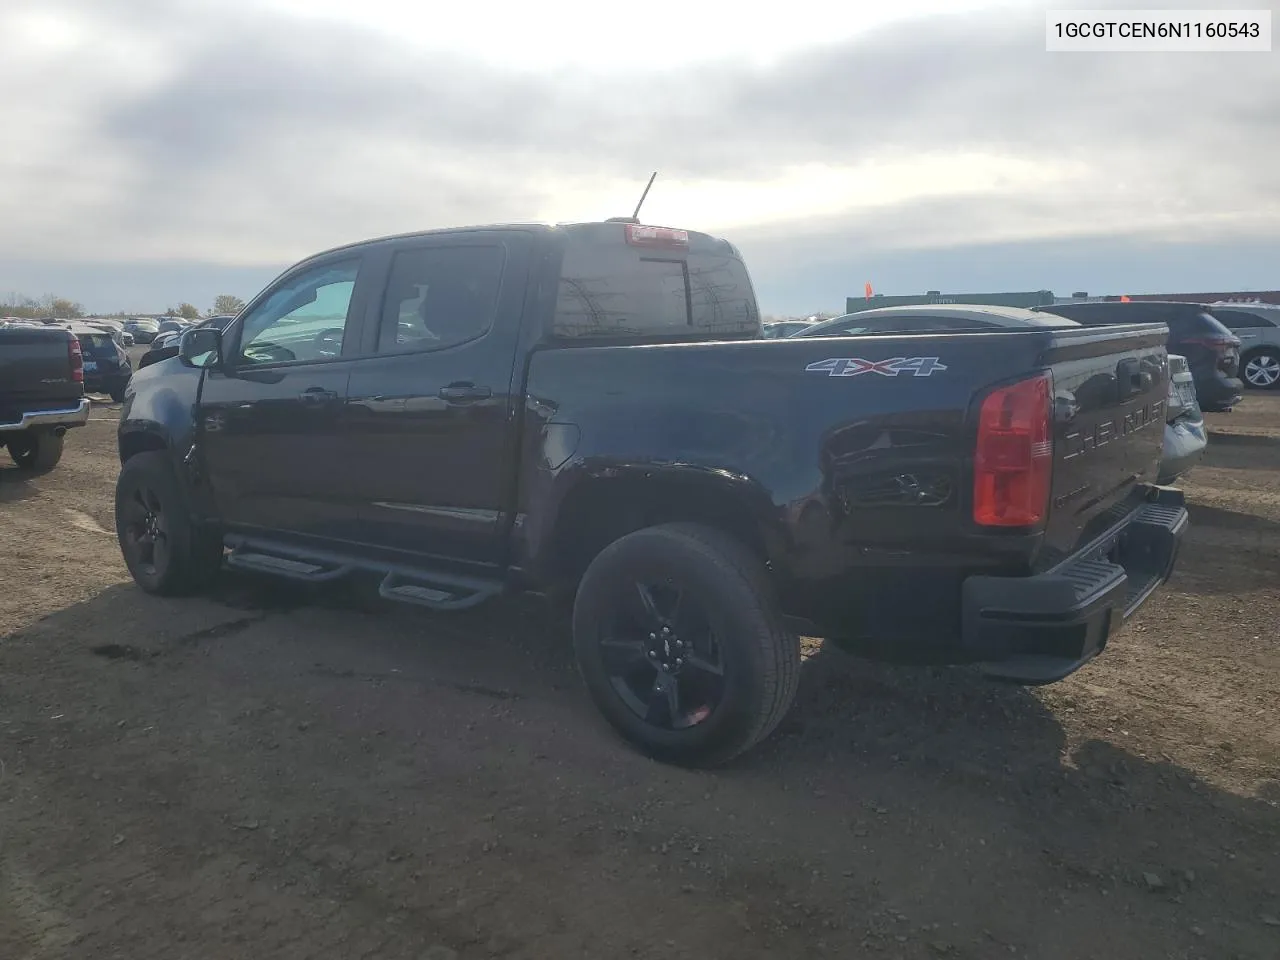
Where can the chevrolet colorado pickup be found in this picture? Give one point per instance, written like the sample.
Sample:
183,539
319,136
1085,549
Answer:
591,411
41,393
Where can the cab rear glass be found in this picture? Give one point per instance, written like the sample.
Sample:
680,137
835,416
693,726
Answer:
609,288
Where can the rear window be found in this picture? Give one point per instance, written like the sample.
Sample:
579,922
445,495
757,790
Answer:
1185,325
611,289
97,345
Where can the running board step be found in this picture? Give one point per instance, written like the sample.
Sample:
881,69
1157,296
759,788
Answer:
302,570
439,592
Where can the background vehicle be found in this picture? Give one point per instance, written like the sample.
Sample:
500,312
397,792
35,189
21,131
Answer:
929,318
41,392
143,329
1185,437
171,325
1212,351
166,344
1258,327
783,328
113,327
107,368
590,411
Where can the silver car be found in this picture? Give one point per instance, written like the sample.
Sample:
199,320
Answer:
1258,327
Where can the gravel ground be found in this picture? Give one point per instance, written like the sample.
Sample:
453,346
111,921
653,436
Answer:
271,772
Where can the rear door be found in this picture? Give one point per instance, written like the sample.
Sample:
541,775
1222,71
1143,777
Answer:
1201,338
101,360
430,420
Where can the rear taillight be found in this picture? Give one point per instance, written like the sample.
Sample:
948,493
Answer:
77,360
1013,458
1227,349
639,235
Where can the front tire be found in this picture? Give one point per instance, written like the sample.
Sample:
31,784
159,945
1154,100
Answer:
166,552
682,646
36,451
1261,369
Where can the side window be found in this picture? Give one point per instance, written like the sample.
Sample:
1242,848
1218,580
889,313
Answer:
1240,320
304,318
440,297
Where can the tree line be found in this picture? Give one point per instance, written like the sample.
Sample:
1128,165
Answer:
64,308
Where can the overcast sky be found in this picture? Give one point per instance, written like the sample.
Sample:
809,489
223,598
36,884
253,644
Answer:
164,150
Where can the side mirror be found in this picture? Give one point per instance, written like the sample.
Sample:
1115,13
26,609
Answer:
200,347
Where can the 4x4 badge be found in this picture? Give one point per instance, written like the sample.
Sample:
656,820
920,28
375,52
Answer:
855,366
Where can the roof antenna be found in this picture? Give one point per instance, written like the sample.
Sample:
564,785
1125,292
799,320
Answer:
635,216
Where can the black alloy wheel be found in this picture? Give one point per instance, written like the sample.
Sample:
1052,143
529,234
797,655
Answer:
662,656
681,644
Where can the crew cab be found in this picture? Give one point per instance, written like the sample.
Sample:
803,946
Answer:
41,393
590,411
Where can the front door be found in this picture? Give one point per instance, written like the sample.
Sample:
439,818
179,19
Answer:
270,413
431,414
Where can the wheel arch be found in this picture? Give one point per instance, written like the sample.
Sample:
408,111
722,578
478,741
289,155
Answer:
604,506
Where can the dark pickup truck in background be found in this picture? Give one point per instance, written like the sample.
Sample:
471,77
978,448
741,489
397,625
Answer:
590,411
41,392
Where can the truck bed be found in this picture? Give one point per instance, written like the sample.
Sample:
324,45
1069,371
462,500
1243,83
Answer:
856,453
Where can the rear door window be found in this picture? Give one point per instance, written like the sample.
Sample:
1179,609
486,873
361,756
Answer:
440,296
97,346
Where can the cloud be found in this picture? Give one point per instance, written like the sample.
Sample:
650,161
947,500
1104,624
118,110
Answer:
237,134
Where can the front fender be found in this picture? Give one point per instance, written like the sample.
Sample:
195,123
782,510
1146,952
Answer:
161,415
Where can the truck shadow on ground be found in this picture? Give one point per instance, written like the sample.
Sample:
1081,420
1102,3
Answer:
1242,451
885,765
15,484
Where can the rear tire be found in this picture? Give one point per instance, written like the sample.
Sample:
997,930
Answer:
1261,369
36,451
166,552
734,665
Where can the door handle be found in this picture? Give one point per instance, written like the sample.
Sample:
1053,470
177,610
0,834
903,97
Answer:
317,395
464,392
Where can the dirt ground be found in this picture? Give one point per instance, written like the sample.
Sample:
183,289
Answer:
273,773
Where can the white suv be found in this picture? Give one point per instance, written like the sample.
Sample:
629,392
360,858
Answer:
1258,327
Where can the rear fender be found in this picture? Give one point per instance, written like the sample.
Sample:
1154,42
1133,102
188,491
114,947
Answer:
594,502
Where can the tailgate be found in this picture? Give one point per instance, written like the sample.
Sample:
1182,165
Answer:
1111,387
35,371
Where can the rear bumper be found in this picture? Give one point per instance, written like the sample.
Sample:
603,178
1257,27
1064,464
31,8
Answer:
1219,392
106,382
1042,628
72,416
1184,445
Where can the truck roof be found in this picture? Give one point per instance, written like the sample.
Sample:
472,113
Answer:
696,237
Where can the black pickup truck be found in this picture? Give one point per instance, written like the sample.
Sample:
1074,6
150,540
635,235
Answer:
41,393
591,411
